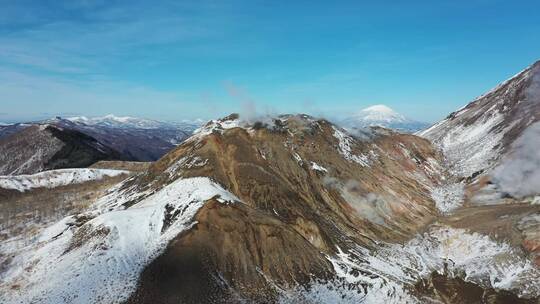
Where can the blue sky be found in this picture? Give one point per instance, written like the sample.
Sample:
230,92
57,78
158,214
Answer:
180,60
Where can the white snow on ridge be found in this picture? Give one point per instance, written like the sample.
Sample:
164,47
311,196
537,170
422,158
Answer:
472,137
216,126
448,197
345,149
391,270
117,121
381,113
114,121
318,167
472,148
56,178
100,261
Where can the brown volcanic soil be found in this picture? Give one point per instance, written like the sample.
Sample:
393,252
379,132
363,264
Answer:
505,223
246,245
439,287
293,217
261,170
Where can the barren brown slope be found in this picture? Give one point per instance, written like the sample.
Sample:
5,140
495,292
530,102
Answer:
305,194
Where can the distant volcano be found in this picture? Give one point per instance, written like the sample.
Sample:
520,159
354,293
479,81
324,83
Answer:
383,116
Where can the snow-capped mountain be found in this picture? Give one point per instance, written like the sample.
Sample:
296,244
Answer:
382,116
140,139
124,122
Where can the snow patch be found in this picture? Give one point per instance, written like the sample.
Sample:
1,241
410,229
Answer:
345,148
56,178
318,167
448,197
297,158
386,274
186,162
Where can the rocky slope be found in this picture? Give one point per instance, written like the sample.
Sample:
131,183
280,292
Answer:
491,147
291,210
240,206
476,137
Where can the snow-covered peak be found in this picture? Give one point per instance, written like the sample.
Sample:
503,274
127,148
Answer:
382,116
381,113
111,120
124,122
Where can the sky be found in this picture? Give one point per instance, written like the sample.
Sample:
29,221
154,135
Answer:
175,60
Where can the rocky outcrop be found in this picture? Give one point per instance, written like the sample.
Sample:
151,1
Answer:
307,188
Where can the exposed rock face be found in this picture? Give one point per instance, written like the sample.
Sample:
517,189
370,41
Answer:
233,250
46,147
294,215
272,169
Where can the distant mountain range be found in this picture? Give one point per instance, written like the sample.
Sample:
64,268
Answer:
126,122
57,143
382,116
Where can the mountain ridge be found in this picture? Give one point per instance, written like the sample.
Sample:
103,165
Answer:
128,139
485,128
